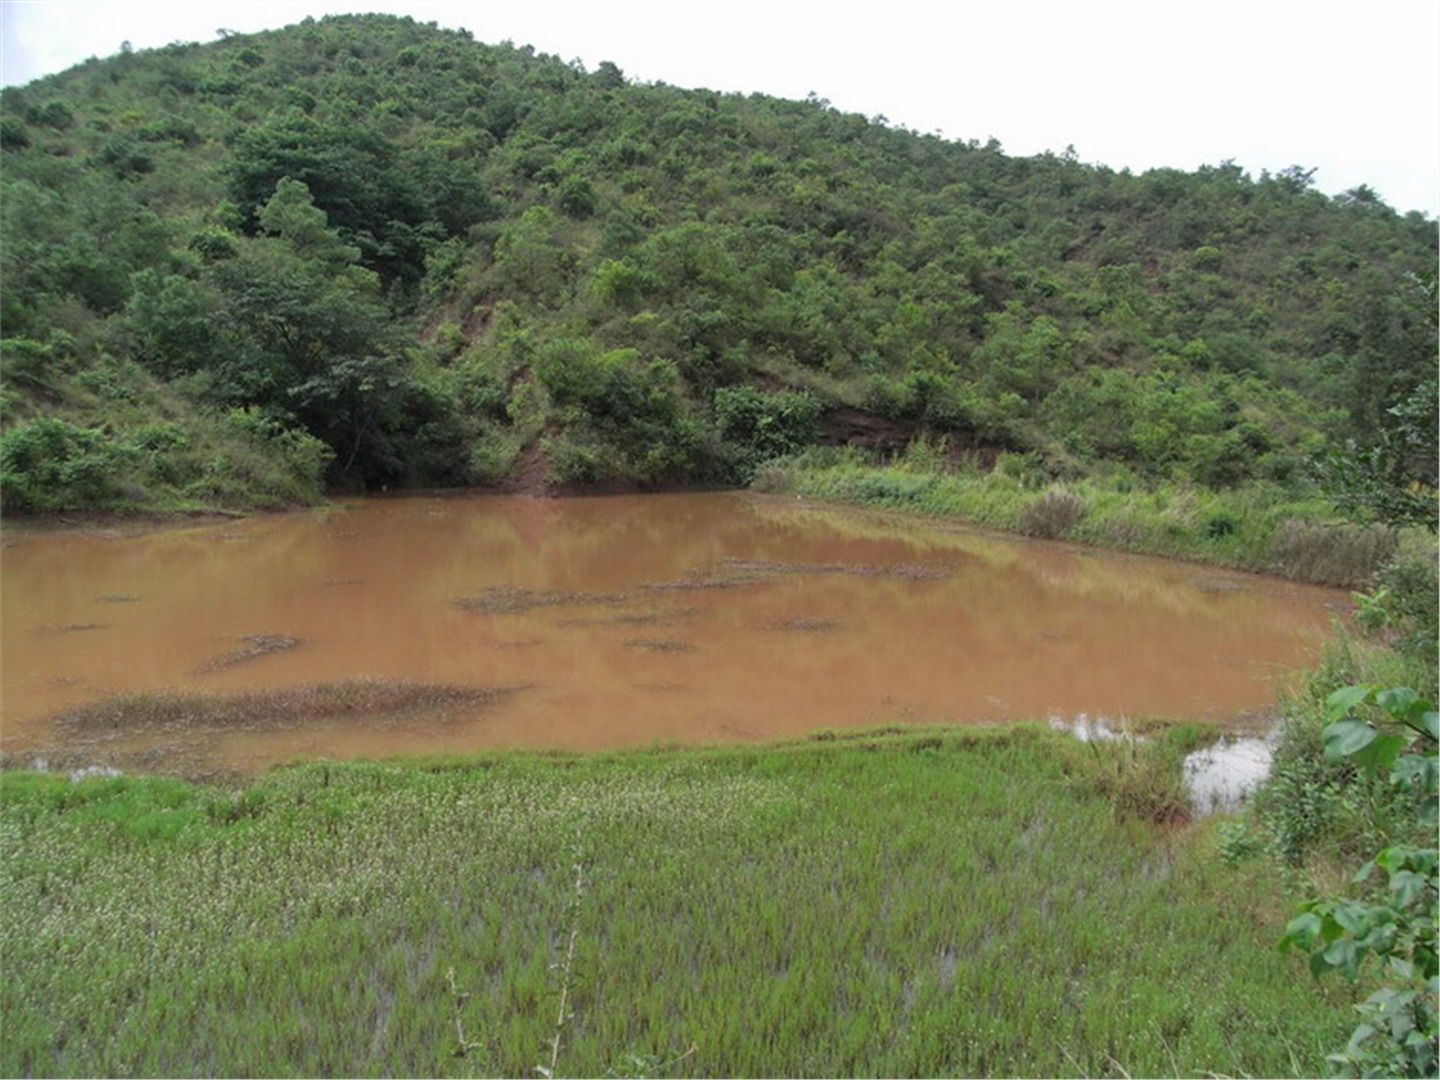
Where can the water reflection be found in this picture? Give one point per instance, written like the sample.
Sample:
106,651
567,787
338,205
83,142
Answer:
632,619
1221,776
1091,728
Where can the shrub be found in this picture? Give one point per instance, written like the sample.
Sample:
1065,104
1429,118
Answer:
1053,514
49,464
1221,523
1396,924
759,427
1347,556
1404,607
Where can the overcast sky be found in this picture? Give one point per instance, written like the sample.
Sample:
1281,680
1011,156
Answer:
1350,88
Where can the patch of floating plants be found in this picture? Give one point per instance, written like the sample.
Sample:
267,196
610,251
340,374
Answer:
277,709
253,647
806,624
912,571
176,732
665,645
638,618
706,579
515,600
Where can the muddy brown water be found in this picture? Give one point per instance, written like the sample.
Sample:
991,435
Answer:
612,621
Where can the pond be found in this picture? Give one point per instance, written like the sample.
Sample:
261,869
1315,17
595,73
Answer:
443,625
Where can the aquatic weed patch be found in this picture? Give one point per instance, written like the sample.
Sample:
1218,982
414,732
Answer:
638,618
708,579
515,600
178,732
924,903
662,645
912,571
806,623
255,710
1258,526
253,647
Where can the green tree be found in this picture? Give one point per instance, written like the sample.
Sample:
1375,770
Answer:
1392,475
171,320
760,426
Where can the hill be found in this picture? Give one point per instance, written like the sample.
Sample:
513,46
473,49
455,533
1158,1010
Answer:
363,252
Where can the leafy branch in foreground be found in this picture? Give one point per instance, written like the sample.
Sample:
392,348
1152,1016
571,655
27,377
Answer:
1398,1032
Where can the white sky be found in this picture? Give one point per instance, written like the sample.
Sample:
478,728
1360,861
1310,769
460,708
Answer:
1348,87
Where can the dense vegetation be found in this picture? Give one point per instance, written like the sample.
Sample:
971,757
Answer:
983,910
367,252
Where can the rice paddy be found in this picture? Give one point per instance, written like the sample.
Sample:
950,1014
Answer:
925,902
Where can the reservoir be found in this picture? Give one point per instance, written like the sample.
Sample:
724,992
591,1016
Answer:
505,621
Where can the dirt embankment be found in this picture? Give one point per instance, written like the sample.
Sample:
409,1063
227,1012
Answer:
845,425
841,425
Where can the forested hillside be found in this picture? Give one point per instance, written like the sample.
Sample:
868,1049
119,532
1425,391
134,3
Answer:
364,252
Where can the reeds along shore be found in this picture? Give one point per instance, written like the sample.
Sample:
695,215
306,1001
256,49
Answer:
1259,527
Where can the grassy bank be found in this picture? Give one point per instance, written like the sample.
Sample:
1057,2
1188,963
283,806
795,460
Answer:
1259,527
928,903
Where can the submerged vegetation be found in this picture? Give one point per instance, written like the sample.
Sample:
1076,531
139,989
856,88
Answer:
183,733
915,903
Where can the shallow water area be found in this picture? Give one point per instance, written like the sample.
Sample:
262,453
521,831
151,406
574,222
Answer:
606,621
1218,778
1221,776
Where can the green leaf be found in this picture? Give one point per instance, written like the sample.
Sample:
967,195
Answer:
1407,886
1414,771
1342,701
1342,955
1363,873
1346,737
1357,1037
1397,701
1302,930
1430,814
1379,754
1428,722
1399,857
1354,918
1401,967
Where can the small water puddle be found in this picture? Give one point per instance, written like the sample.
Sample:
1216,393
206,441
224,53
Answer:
1218,778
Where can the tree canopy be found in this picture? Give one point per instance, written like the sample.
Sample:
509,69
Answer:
444,260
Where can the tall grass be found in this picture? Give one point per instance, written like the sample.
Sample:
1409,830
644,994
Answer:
1260,527
934,902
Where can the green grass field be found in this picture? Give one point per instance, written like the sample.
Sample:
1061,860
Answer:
923,903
